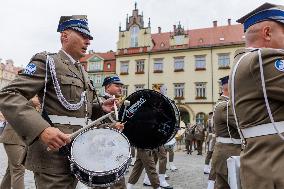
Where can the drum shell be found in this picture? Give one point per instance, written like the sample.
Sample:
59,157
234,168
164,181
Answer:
98,178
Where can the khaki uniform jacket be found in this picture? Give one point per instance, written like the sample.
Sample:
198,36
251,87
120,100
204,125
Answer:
220,119
249,100
28,123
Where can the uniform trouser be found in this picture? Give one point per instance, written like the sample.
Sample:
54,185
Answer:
208,157
54,181
212,174
119,185
188,145
132,151
171,154
161,155
219,162
144,159
14,176
262,163
199,146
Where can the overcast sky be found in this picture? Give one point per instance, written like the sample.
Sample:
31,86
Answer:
29,26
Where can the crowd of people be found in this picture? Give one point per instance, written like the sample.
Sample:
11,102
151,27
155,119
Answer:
246,121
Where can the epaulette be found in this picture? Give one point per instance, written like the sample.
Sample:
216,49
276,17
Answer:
41,57
243,51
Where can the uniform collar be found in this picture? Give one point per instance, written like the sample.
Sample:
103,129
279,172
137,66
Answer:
69,56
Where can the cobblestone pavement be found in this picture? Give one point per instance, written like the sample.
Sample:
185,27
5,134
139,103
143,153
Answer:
188,176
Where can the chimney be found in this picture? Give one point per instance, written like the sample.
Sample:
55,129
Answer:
159,29
215,23
229,21
175,28
91,51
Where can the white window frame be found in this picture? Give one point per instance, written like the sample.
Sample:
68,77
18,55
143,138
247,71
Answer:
200,62
200,89
178,63
139,87
179,90
125,90
140,66
200,118
134,31
158,65
97,79
224,60
124,67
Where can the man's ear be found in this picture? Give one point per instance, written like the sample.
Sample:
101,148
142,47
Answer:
267,32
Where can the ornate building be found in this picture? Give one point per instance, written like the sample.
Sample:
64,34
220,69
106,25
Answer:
7,72
188,63
99,66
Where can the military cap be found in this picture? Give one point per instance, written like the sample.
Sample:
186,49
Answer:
224,80
265,12
112,79
75,22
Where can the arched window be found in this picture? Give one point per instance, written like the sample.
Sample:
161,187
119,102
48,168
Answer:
200,118
134,30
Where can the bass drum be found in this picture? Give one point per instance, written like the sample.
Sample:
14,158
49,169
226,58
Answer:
151,119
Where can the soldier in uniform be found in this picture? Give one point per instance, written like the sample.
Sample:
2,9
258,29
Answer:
256,90
16,151
199,135
227,137
66,95
113,88
160,155
189,135
210,142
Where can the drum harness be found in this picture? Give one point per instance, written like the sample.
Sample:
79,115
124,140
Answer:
225,140
263,129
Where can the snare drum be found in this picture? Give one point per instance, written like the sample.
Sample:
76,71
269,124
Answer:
171,144
152,119
99,156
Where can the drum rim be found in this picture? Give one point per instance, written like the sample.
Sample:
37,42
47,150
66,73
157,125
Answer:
99,173
173,106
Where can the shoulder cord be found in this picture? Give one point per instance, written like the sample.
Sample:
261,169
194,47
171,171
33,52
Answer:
62,100
265,95
233,97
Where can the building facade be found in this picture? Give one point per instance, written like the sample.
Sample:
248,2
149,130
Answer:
8,72
188,63
99,66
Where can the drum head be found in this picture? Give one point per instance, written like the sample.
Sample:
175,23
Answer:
100,150
152,119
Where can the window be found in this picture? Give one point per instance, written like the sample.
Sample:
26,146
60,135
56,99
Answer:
123,67
139,87
125,90
179,90
98,79
158,65
134,36
200,62
200,90
97,66
224,61
179,39
108,66
139,66
200,118
178,64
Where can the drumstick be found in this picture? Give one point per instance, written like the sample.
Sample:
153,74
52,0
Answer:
73,135
126,104
115,109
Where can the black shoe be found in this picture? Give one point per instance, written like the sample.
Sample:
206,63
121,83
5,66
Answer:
167,187
144,184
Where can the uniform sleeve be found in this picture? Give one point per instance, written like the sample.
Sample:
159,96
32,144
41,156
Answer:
231,118
24,119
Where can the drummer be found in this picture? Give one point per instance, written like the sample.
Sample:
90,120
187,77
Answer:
113,88
66,94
